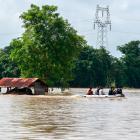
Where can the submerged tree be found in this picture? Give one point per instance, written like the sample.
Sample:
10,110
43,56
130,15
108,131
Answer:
48,46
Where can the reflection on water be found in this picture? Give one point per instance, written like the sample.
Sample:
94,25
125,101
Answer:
69,118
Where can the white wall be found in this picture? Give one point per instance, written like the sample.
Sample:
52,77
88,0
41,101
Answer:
55,90
3,90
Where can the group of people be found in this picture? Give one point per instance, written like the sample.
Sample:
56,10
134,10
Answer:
99,91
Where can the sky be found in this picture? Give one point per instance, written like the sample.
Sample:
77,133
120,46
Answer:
124,14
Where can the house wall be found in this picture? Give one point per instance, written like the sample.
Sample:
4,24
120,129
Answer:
3,90
33,90
39,88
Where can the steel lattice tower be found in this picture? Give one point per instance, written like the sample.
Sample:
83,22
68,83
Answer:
102,20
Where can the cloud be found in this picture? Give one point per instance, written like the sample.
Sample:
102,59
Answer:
80,13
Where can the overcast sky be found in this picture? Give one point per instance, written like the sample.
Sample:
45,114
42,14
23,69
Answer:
125,17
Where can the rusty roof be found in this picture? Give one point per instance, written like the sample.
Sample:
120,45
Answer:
17,82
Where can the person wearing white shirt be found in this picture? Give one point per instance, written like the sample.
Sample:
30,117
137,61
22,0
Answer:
101,92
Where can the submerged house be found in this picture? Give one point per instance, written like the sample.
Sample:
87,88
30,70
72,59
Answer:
32,86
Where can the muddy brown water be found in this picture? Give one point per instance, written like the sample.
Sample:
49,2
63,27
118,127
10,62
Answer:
69,117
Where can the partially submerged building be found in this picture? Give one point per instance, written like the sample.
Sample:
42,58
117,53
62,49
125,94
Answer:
33,86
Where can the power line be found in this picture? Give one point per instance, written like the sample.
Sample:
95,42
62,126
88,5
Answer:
122,32
126,32
122,18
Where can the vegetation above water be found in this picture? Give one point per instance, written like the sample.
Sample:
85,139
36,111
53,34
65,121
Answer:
52,50
96,67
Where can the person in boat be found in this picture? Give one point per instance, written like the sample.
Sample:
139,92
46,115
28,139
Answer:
97,91
101,92
111,91
119,92
90,91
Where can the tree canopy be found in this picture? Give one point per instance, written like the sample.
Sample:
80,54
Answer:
92,68
48,46
7,67
96,67
131,62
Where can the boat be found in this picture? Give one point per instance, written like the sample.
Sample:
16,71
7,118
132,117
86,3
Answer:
104,96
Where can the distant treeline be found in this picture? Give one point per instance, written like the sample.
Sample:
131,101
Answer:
51,50
96,67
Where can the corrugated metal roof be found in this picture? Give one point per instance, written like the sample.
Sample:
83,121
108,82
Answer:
17,82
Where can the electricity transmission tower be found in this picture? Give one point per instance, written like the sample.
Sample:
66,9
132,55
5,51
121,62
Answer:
102,20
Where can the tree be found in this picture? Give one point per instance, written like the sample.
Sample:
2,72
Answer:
104,68
131,60
48,46
92,68
7,67
83,73
118,76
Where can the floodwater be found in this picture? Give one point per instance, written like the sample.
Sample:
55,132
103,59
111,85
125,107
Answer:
69,118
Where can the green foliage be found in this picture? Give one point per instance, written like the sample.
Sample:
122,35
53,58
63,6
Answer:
7,67
131,62
92,68
96,67
48,46
118,76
